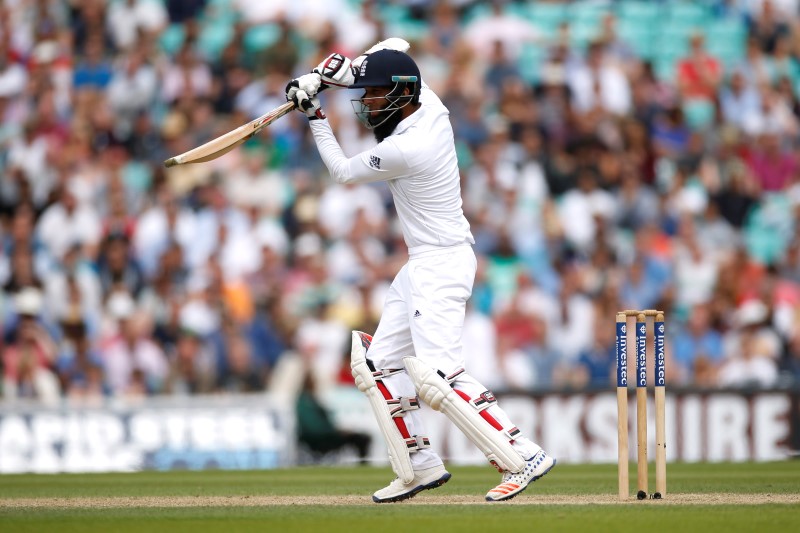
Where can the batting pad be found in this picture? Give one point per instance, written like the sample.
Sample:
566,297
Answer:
436,392
388,411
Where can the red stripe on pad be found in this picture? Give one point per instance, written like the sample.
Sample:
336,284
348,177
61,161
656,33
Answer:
399,422
486,416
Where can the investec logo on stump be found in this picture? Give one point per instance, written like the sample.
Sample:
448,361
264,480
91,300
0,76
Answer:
641,353
622,367
661,376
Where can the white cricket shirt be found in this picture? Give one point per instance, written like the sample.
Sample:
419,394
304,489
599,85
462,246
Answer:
419,163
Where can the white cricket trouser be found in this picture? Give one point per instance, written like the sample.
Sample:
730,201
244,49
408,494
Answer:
423,316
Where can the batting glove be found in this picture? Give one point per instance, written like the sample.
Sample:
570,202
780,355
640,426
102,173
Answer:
392,43
313,109
310,106
303,92
335,71
307,84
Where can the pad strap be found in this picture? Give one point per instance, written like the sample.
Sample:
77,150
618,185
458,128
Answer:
399,406
484,401
385,373
416,443
452,377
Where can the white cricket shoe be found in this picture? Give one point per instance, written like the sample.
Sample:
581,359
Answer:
429,478
512,484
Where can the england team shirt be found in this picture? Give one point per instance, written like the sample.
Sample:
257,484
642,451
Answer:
418,161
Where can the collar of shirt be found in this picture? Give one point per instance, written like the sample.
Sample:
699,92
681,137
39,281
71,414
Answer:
409,121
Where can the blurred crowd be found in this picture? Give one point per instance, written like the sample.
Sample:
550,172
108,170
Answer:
594,180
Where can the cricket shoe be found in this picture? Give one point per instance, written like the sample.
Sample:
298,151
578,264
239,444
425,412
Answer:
429,478
512,484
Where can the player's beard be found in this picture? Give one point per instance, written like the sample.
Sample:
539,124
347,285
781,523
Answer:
384,130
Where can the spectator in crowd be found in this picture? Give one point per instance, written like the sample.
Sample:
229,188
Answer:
192,364
699,76
771,164
752,349
117,268
317,430
79,366
739,100
698,348
767,26
600,84
69,221
791,363
597,364
134,364
30,353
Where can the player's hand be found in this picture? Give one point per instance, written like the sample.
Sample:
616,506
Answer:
392,43
303,88
298,90
312,108
335,71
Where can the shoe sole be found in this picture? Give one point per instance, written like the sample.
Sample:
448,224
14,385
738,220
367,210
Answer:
507,497
416,490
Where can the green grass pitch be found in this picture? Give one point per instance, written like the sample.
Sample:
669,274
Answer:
737,497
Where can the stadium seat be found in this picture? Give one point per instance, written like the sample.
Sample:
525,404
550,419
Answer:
689,13
729,53
530,62
639,12
398,21
675,38
726,35
664,68
640,37
546,15
213,38
586,13
582,33
172,38
260,37
476,12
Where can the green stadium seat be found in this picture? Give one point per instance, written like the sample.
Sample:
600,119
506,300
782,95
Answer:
675,35
641,38
476,12
530,62
581,33
399,22
171,38
260,37
726,34
586,13
664,68
729,53
690,13
639,12
391,13
547,15
213,38
671,50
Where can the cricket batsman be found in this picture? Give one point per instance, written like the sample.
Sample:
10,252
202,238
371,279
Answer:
416,351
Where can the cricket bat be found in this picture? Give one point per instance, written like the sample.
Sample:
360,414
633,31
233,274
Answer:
225,143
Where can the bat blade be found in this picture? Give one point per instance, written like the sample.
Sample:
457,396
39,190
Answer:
225,143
